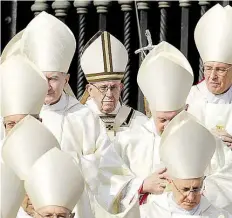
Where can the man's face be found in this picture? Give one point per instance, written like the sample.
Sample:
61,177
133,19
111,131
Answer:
187,192
10,121
56,83
218,77
50,211
162,119
105,94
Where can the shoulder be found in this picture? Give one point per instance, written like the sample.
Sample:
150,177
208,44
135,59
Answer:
77,111
140,117
133,136
197,92
209,210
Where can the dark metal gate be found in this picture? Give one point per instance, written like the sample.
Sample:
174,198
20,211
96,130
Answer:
173,21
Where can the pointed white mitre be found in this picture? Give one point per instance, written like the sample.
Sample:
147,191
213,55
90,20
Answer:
23,87
170,49
12,47
165,78
25,143
47,42
104,58
12,192
132,211
213,35
186,147
55,179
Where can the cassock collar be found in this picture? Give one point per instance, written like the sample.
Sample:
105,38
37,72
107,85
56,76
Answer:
150,126
225,98
93,106
60,105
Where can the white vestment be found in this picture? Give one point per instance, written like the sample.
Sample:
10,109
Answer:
81,133
163,206
134,157
212,110
134,118
215,110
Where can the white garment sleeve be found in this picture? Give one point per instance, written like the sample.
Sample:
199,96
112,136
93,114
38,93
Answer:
118,184
218,188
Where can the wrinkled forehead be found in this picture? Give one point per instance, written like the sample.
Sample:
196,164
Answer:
108,83
217,64
196,182
53,209
53,73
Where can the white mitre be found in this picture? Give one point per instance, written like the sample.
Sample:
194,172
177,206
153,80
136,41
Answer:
170,49
25,143
132,211
12,47
186,147
54,179
104,58
47,42
23,87
12,192
165,79
213,35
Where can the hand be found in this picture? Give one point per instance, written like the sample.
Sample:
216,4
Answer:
224,136
156,182
27,206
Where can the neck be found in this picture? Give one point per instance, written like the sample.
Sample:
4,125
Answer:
54,102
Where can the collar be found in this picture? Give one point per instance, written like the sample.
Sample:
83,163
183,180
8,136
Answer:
225,98
60,105
93,106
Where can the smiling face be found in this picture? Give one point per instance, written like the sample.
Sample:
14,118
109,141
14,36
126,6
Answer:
105,94
218,77
187,192
56,84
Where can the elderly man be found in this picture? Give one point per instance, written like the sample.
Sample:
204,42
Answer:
23,91
141,156
27,132
12,192
211,100
139,162
50,44
54,192
104,62
186,149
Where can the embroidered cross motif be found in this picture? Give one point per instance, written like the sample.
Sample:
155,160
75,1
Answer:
109,127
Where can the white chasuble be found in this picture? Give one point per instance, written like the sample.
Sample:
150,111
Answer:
82,134
163,206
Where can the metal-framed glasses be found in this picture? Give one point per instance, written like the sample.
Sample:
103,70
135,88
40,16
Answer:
61,215
221,71
186,191
104,88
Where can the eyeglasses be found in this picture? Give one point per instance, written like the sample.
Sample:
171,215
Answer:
103,89
186,191
70,215
220,71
